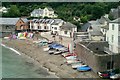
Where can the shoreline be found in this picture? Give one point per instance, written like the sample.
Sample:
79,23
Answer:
51,62
29,57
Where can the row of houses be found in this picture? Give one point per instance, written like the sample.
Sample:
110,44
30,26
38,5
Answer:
55,26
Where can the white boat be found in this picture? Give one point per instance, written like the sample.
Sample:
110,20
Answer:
116,76
71,57
64,54
74,66
72,61
6,37
46,49
57,52
51,51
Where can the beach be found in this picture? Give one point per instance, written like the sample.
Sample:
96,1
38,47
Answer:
54,63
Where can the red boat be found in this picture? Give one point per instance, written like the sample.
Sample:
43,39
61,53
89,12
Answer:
70,54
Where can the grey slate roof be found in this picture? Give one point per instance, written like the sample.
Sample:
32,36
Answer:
24,19
103,19
116,21
50,9
57,21
68,26
94,24
8,21
37,11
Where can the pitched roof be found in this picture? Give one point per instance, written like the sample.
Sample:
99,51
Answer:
24,19
8,21
37,11
57,21
50,9
68,26
116,21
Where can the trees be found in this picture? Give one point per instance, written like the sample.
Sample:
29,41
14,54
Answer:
13,11
97,12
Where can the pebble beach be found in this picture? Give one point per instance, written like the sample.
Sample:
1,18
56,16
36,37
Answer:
54,63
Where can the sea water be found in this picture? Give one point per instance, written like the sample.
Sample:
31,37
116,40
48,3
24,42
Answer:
17,66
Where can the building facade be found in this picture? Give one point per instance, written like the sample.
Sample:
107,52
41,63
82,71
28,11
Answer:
113,36
46,12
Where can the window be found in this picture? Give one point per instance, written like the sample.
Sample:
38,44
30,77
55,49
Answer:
31,27
112,26
7,27
39,27
45,27
65,32
110,64
112,38
55,28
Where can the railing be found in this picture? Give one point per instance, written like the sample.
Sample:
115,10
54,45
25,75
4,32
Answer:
106,49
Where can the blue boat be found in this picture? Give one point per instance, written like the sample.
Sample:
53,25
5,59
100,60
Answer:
55,46
84,68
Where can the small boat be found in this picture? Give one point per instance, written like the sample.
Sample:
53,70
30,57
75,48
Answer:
72,61
51,51
64,54
71,57
6,37
75,65
83,68
57,52
116,76
46,49
71,54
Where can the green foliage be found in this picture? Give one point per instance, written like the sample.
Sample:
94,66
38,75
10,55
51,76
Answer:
66,11
14,11
97,12
84,19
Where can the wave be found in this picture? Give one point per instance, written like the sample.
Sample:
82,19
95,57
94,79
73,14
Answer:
10,49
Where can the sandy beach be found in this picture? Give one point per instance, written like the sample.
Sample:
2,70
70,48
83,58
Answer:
55,63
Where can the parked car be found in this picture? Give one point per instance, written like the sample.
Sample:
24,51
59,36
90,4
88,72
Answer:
116,76
83,68
106,74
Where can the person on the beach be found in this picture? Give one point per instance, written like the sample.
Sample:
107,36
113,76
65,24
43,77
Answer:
60,38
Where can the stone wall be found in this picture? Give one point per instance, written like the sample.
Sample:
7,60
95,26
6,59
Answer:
97,61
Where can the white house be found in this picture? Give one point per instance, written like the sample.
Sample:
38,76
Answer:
3,10
67,29
46,12
113,36
41,24
55,26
